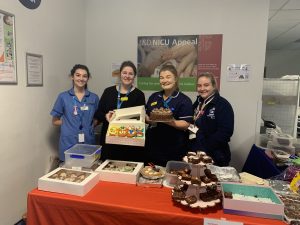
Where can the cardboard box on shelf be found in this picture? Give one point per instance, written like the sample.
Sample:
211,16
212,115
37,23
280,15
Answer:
68,181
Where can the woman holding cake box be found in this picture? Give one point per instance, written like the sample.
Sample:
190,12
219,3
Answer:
213,121
119,96
169,114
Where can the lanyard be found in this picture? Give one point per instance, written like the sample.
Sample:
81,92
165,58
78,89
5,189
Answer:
200,109
120,102
78,112
166,102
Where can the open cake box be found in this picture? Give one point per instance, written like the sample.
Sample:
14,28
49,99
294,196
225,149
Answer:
252,200
119,171
127,127
68,181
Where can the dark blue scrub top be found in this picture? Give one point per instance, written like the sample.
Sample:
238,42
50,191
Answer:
163,141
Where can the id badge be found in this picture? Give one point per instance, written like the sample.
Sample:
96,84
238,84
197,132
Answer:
193,129
81,137
84,108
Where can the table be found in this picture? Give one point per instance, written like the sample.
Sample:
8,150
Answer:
114,203
261,165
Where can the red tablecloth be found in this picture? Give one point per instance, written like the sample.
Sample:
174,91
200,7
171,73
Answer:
114,203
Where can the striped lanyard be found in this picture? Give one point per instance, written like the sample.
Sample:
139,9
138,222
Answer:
121,100
200,108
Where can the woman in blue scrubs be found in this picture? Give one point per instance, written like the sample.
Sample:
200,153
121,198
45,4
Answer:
167,141
214,121
74,112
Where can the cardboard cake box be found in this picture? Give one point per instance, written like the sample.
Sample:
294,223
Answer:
273,208
68,181
119,171
127,127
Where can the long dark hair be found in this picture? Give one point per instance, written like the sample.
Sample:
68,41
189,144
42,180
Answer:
129,64
83,67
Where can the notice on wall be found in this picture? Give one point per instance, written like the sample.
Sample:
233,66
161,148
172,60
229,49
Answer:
238,72
34,65
8,72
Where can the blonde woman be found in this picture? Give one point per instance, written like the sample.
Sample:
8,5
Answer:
167,141
214,120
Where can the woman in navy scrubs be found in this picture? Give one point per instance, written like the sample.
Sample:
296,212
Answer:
74,111
167,141
214,121
120,96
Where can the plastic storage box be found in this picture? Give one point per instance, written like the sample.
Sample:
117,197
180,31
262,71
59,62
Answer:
171,179
82,155
282,139
287,149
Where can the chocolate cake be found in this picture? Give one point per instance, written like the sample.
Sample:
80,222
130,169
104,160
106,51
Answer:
191,199
178,195
205,179
228,194
161,114
195,180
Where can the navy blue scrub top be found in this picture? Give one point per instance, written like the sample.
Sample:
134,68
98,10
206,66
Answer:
73,124
163,141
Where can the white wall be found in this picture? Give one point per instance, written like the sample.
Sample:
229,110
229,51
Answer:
113,27
282,62
27,139
65,33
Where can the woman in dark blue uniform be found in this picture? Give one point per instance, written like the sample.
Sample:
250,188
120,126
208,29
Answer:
214,121
167,141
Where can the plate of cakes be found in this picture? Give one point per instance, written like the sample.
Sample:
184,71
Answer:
198,158
161,115
153,172
193,197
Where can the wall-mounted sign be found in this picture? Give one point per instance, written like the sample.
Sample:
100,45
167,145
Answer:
8,73
238,72
191,55
34,66
31,4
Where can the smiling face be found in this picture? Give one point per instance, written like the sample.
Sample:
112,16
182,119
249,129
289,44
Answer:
205,87
80,78
167,80
127,76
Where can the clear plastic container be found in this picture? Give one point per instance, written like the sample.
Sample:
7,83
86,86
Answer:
288,149
282,139
82,155
171,179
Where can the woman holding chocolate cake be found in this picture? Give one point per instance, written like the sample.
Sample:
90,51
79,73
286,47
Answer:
213,121
168,140
119,96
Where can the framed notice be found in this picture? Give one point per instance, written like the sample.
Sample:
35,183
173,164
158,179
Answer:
34,67
8,69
